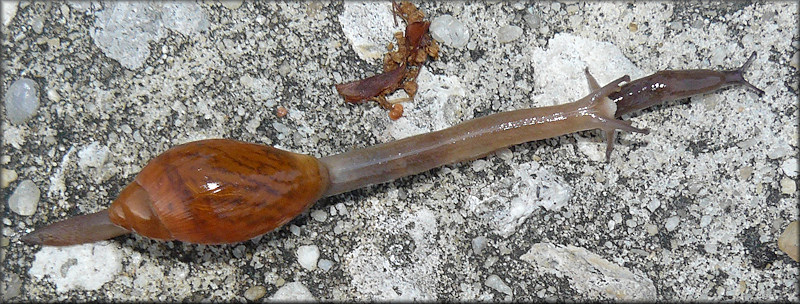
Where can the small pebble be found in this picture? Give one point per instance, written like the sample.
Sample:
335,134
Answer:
13,286
325,264
789,167
231,4
788,186
672,223
307,256
788,242
93,155
508,33
341,208
293,292
532,20
7,177
25,198
653,205
651,229
496,283
450,31
255,293
572,8
745,172
319,215
22,100
705,220
295,230
478,244
37,24
246,81
53,96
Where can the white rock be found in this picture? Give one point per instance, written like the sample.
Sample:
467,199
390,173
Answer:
478,244
294,291
53,96
672,223
295,230
7,177
450,31
789,167
232,4
789,242
369,26
559,67
9,9
185,17
778,151
496,283
93,155
22,100
77,267
788,186
37,24
307,256
653,205
508,33
590,274
535,187
25,198
705,220
319,215
325,264
123,31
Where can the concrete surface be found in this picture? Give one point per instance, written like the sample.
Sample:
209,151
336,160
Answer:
691,211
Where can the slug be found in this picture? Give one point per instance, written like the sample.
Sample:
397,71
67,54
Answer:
220,191
670,85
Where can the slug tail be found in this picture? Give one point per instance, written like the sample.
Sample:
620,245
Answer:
737,76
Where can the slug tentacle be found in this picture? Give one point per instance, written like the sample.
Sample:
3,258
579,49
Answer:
609,124
593,86
737,75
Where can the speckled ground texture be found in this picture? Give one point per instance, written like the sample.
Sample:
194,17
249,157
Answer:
691,211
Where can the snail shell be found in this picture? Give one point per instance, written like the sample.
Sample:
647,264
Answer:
219,191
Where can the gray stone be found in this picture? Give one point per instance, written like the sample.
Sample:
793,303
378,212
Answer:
22,100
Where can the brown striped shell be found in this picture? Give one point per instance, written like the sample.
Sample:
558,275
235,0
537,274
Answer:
219,191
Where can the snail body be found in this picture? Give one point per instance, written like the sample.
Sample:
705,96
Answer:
213,191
